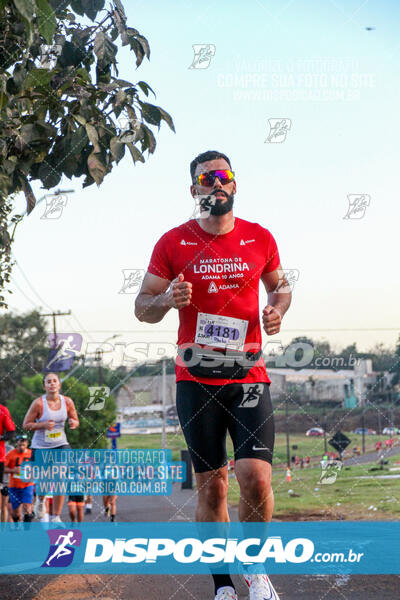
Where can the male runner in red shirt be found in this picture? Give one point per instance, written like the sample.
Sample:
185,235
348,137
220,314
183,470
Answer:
209,269
7,430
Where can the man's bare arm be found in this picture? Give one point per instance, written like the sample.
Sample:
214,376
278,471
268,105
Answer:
158,295
279,299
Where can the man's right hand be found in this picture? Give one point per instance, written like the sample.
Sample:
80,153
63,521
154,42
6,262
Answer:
48,425
179,294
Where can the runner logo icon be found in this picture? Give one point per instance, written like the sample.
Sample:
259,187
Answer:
212,288
132,281
61,552
63,348
330,471
251,395
278,130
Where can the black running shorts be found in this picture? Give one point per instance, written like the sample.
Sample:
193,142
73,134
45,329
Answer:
207,412
63,447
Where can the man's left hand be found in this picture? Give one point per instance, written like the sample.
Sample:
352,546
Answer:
272,320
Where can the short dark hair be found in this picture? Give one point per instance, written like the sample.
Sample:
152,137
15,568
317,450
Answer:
204,157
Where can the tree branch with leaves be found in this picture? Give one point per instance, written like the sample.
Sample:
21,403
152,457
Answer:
63,108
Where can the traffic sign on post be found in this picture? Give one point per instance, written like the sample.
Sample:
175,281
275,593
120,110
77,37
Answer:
339,441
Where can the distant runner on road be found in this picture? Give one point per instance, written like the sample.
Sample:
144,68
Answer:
7,430
20,491
209,269
46,417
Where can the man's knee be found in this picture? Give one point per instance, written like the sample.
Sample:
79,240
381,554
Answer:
256,486
214,492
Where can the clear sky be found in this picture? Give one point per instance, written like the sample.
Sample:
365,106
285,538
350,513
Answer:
312,62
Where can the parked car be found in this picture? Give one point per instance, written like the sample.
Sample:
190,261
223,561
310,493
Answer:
390,431
367,431
314,431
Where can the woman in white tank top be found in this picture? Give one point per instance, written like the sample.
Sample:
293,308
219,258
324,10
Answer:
46,417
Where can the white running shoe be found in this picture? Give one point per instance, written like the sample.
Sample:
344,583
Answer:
260,587
56,519
40,509
226,593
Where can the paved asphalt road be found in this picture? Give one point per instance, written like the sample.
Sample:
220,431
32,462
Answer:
180,506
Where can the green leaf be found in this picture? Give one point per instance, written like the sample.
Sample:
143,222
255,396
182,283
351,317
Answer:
71,55
38,78
151,113
78,140
26,8
80,119
29,195
9,166
117,149
132,32
149,141
3,100
124,83
3,3
19,75
82,72
167,118
46,20
93,136
146,88
92,7
97,168
120,9
138,50
104,49
120,98
145,45
48,175
76,6
136,154
30,133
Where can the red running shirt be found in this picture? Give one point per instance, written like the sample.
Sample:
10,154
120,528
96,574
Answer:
6,424
225,271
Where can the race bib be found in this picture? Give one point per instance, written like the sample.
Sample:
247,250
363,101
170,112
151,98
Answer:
220,331
52,436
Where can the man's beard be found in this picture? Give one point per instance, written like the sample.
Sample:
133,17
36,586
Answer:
221,207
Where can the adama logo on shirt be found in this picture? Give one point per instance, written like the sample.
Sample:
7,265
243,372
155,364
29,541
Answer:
184,243
244,242
212,288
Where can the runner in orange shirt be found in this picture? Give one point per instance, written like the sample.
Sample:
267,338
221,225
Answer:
21,492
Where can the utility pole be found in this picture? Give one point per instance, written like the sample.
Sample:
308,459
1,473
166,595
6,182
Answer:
164,402
55,314
324,428
363,429
98,359
287,432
